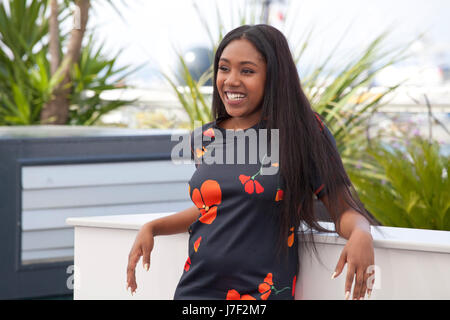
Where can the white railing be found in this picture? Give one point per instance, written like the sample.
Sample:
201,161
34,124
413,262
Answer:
409,263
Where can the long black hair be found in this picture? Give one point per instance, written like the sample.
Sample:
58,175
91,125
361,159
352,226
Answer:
305,151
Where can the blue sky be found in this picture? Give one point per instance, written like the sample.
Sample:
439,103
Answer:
149,29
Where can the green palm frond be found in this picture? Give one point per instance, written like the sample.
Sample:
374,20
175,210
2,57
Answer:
95,74
26,83
415,189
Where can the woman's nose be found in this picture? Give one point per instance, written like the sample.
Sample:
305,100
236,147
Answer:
233,80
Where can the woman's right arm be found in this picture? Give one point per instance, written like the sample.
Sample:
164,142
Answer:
143,245
175,223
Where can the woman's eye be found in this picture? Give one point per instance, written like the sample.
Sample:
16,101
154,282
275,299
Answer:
245,71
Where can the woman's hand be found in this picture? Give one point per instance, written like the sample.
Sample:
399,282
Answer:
143,245
358,253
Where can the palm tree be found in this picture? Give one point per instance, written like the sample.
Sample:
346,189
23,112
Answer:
35,73
56,110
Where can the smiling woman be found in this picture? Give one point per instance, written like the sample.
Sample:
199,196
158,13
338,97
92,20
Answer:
241,80
241,243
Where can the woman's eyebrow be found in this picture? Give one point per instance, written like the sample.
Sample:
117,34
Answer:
242,62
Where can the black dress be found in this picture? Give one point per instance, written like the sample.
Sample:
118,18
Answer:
232,245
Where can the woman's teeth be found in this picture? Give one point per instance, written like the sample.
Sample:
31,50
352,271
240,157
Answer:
235,96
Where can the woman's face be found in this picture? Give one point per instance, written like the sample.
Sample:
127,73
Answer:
241,77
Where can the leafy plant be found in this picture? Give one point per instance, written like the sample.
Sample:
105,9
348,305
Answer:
412,188
346,101
194,101
26,81
93,75
22,62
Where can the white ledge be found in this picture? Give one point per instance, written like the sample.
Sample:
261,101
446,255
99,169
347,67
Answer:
128,222
383,237
410,263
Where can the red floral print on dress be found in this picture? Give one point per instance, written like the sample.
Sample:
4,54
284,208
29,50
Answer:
319,189
250,185
291,237
209,133
266,287
206,199
321,125
234,295
293,285
201,152
279,195
187,265
197,243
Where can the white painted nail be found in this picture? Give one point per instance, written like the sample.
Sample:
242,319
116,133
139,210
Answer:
333,275
347,295
146,266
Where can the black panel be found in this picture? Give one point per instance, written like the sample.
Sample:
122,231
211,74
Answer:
50,279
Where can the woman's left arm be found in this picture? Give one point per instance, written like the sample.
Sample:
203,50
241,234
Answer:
358,252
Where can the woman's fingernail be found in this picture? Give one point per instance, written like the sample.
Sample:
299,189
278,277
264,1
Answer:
333,275
347,295
368,294
146,266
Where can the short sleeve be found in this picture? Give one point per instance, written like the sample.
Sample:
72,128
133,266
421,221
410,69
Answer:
318,186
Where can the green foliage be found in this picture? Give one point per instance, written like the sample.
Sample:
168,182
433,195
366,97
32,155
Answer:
26,82
193,100
411,189
345,101
94,75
